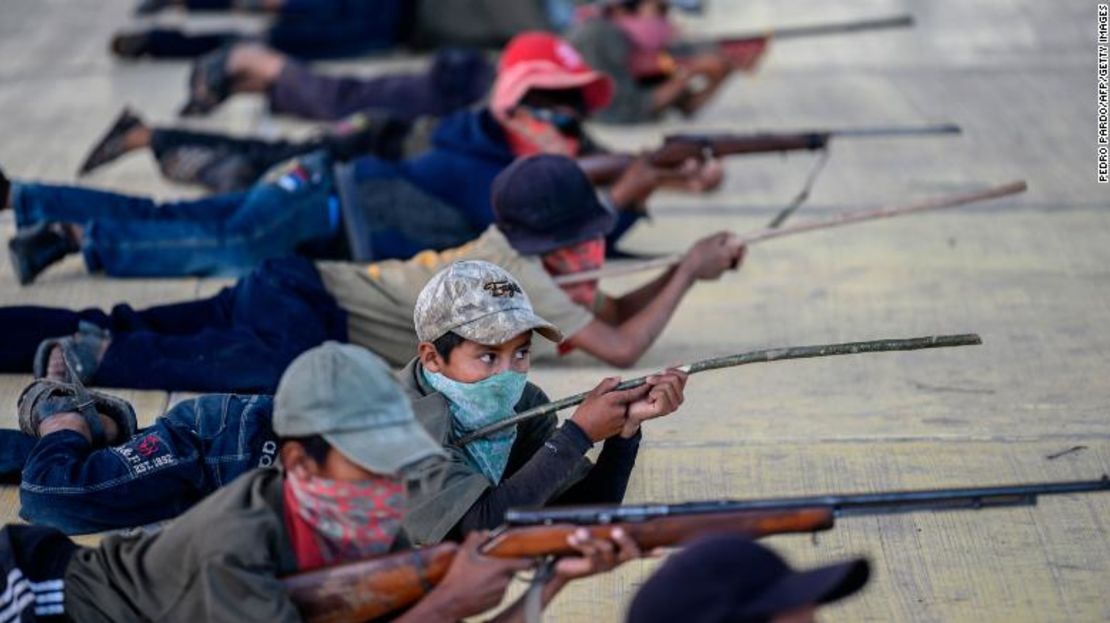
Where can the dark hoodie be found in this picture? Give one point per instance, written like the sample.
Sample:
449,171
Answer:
469,148
437,200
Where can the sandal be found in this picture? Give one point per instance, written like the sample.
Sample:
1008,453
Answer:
209,83
45,398
81,352
111,145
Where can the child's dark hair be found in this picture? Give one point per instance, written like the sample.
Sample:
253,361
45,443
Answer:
315,446
446,343
628,5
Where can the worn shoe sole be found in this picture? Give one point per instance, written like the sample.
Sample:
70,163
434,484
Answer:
109,147
23,273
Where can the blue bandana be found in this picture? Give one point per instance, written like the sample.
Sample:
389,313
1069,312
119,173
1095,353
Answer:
474,405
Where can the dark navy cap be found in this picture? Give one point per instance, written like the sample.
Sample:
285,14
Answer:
546,202
731,579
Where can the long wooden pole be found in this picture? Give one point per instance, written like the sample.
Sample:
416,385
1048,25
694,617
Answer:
729,361
769,233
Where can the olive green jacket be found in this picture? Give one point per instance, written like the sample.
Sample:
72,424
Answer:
220,561
433,513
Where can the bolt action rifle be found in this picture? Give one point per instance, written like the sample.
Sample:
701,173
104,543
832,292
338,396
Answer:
679,148
744,51
362,591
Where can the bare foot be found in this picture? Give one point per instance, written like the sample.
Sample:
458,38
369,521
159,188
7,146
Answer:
254,67
56,367
137,137
71,420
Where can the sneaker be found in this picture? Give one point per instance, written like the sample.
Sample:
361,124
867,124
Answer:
5,190
209,83
112,144
150,7
34,250
131,46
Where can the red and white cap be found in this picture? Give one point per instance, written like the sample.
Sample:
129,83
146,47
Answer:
540,60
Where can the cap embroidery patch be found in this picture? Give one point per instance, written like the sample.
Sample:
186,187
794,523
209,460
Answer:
499,289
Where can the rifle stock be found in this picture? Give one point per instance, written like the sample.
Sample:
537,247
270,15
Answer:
365,590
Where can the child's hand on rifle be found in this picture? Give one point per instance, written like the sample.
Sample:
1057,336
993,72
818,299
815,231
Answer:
711,256
707,175
631,190
474,583
664,398
597,555
605,411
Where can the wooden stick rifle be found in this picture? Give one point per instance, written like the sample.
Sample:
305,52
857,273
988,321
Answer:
677,149
770,233
366,590
730,361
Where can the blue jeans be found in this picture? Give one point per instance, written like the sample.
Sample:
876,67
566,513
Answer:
224,234
303,28
197,447
239,340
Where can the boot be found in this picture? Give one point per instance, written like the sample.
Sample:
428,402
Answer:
5,191
33,250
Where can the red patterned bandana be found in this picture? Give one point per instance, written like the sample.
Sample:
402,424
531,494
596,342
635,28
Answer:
529,136
588,255
330,522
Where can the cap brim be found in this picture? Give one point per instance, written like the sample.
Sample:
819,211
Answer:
388,449
500,327
597,88
815,586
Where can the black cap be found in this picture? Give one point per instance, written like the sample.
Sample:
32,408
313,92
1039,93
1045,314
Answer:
732,579
546,202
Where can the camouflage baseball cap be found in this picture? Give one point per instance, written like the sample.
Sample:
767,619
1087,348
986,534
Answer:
348,396
480,302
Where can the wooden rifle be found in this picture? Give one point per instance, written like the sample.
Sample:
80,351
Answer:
744,50
679,148
362,591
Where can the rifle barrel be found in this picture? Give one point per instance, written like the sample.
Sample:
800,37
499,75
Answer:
940,128
708,138
886,502
728,361
813,30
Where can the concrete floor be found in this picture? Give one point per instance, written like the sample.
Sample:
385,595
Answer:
1028,273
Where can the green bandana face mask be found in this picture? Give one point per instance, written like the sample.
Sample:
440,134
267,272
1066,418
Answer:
474,405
